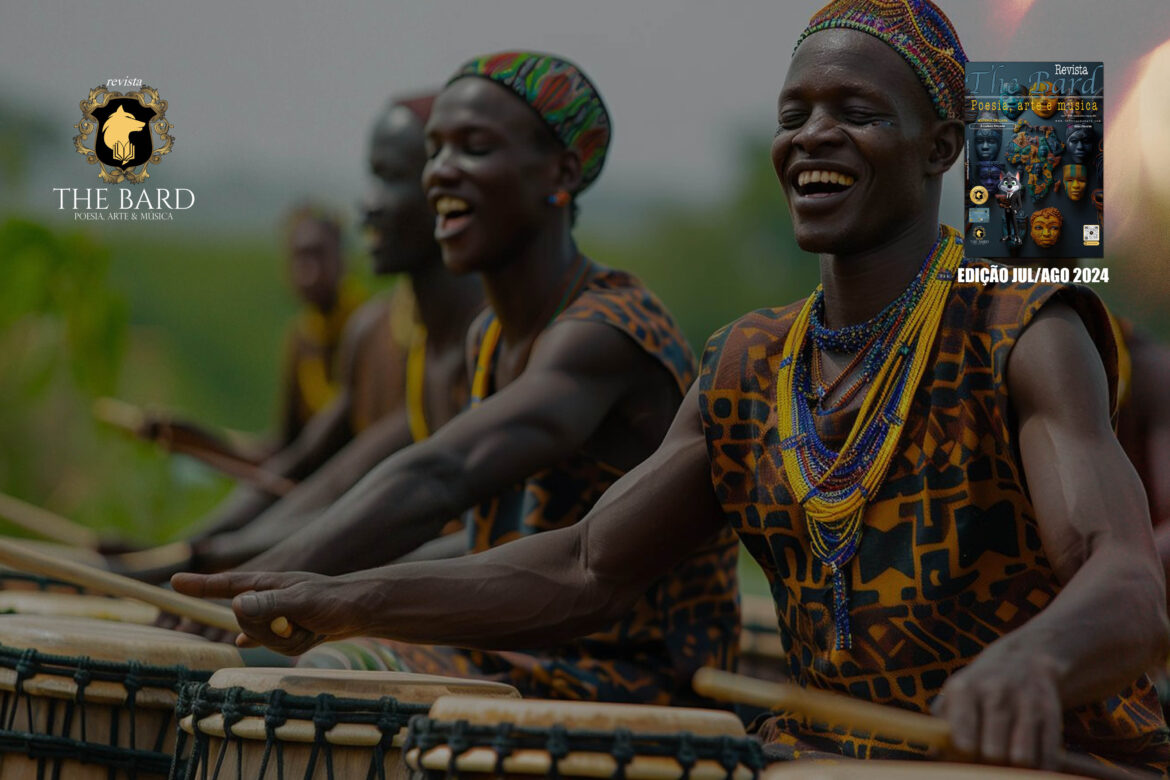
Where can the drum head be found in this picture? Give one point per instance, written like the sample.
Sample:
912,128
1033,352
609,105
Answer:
580,739
416,688
33,602
111,641
588,716
75,642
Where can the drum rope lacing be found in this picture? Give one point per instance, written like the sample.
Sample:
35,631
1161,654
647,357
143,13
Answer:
84,671
277,707
622,744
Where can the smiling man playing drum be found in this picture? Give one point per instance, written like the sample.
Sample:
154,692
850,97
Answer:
925,469
577,371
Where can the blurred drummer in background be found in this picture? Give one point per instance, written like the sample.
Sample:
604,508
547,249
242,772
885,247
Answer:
402,368
316,268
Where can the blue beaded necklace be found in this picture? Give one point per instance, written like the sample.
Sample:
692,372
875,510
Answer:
834,487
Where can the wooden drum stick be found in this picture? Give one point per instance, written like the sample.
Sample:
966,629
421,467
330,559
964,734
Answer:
865,716
17,556
46,524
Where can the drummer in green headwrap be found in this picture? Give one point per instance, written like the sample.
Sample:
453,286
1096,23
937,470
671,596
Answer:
577,371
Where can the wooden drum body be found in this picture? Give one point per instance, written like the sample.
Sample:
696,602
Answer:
91,699
519,739
310,724
850,769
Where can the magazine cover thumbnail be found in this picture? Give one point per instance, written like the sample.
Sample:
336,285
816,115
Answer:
1035,160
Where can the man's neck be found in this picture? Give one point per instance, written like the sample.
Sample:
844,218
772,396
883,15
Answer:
524,293
859,285
445,303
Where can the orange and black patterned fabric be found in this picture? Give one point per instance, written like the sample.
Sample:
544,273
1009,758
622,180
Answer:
950,557
688,619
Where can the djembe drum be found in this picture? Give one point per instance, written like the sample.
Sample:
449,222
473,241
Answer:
91,699
305,724
468,737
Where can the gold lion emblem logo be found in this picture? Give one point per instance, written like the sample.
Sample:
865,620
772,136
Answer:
125,131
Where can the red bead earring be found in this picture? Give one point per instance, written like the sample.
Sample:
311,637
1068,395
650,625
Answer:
560,199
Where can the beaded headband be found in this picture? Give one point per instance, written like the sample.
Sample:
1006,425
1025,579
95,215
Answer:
920,33
561,95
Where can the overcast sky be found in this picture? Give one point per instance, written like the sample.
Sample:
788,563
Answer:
288,88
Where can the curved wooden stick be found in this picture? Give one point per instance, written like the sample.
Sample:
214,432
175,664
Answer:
17,556
189,439
46,524
865,716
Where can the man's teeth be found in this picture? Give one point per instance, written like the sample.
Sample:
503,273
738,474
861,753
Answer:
447,205
824,177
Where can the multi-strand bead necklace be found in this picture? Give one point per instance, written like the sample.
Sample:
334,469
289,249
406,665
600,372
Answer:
892,351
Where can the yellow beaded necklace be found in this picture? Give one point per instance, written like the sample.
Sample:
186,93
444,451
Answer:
482,379
834,498
404,318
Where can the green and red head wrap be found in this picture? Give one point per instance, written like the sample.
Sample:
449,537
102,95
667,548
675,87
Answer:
560,94
918,31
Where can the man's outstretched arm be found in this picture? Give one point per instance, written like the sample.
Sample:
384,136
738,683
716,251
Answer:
577,374
534,591
308,499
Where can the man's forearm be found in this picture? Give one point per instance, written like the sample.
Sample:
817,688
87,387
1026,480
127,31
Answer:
332,480
478,596
393,510
1104,629
324,435
241,507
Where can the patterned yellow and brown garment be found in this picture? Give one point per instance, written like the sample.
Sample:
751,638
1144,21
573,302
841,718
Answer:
688,619
950,558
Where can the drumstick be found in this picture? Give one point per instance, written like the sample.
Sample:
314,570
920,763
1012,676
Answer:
17,556
202,446
46,524
859,715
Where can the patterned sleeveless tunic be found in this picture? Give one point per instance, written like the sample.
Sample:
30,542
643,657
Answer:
950,558
688,619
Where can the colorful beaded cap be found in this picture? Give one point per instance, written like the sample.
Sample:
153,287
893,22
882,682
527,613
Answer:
561,95
918,31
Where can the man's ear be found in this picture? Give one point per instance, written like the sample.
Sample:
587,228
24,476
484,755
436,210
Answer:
946,144
569,171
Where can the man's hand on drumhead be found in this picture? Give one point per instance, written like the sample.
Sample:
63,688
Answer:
318,608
